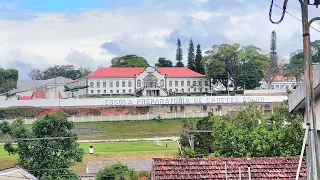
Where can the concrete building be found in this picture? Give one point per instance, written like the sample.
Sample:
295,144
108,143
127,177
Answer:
16,173
145,81
297,98
280,83
41,89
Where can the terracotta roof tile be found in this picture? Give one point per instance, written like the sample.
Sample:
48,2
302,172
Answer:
25,98
129,72
39,94
214,168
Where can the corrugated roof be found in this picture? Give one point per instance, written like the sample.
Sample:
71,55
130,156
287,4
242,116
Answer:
138,165
56,81
28,84
39,94
25,98
130,72
16,172
263,168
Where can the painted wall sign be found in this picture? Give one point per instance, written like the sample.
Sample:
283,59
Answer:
192,100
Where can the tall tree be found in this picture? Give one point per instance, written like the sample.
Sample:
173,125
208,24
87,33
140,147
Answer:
229,59
129,61
35,155
163,62
179,55
35,74
67,71
273,69
198,61
191,58
8,79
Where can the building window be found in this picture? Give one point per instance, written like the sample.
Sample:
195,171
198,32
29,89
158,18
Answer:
117,83
272,86
188,89
162,83
91,91
200,89
170,83
206,89
104,84
182,83
206,83
277,86
200,83
287,86
182,90
117,91
194,83
176,89
129,83
194,90
111,91
181,108
282,86
139,83
98,84
91,84
123,83
129,90
176,83
188,83
123,91
104,91
111,84
98,91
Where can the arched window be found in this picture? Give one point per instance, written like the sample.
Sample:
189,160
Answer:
162,83
139,83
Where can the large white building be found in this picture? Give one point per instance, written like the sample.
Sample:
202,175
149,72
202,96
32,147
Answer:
280,83
145,81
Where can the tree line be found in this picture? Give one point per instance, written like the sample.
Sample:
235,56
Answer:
247,134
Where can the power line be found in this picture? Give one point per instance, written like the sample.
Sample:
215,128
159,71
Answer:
285,11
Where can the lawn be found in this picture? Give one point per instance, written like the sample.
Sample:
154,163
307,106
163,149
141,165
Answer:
109,151
134,129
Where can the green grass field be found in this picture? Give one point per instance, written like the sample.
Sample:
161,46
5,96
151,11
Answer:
109,151
134,129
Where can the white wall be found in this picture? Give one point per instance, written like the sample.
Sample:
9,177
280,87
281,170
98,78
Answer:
277,85
110,90
187,89
141,101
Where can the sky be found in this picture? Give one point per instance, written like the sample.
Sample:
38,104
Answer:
89,33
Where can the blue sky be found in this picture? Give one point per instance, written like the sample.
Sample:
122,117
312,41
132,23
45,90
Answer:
41,33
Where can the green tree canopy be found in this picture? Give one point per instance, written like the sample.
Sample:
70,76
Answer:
179,54
8,79
67,71
250,134
129,61
198,61
163,62
37,155
118,171
229,59
191,57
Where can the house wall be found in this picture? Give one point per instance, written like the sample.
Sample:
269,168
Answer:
100,86
278,85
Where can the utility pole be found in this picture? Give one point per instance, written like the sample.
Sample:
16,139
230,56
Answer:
228,83
312,149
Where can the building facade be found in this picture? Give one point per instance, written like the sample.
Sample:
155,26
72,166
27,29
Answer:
145,81
280,83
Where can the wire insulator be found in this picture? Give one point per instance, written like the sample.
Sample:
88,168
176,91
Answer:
283,12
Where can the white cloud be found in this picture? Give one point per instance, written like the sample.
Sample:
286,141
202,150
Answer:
48,38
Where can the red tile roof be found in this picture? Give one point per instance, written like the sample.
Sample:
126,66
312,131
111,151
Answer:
25,98
129,72
284,78
39,94
263,168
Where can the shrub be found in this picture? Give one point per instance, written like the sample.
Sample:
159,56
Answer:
233,93
116,171
71,111
93,111
143,174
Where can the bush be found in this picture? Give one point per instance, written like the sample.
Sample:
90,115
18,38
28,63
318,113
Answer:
233,93
116,172
93,111
13,112
71,111
158,118
143,174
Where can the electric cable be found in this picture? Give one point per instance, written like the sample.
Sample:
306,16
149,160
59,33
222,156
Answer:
283,12
288,14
